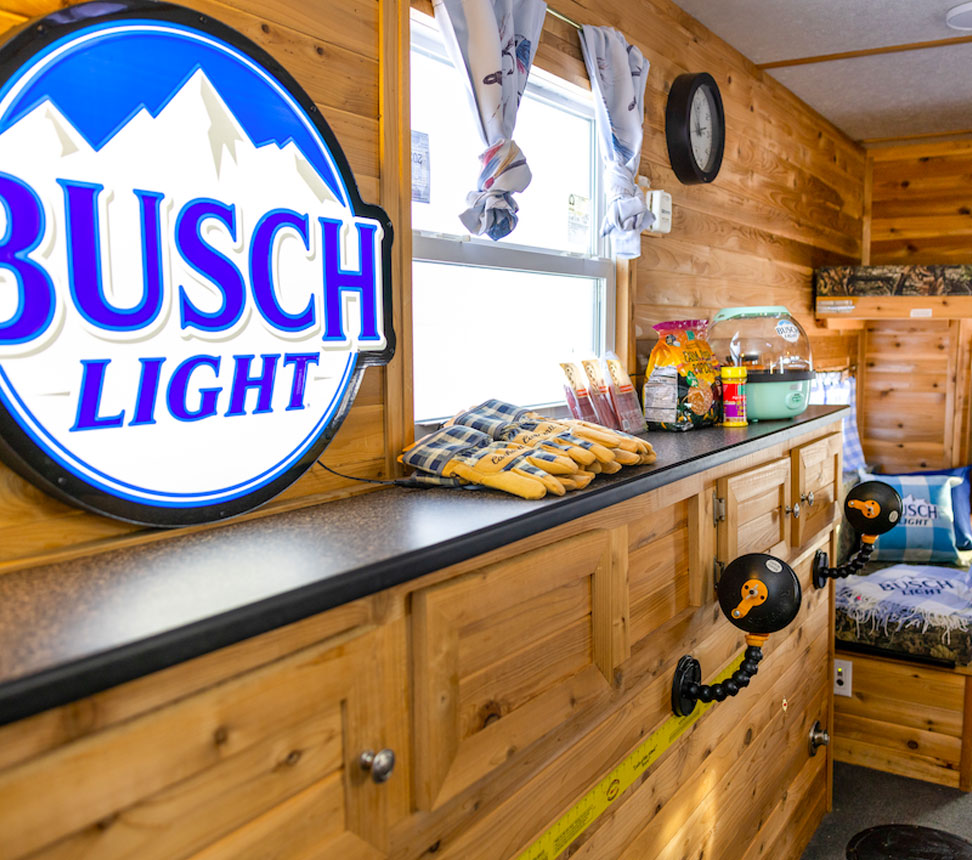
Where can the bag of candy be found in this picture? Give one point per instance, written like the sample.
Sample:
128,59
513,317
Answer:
682,388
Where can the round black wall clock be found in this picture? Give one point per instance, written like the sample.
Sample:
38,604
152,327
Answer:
695,128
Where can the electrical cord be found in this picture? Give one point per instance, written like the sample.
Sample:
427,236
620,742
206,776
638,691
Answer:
397,482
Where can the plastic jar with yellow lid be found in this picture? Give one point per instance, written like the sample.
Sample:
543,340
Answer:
733,396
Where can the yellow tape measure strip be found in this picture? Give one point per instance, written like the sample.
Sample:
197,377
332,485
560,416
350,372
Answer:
593,804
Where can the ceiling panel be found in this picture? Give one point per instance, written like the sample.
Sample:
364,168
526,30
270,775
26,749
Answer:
889,95
769,30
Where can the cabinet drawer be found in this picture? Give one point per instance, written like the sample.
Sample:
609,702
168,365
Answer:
507,654
756,519
266,758
815,469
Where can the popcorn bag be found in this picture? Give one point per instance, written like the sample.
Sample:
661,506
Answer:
682,388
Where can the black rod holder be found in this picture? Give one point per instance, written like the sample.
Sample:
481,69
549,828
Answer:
871,508
686,689
759,594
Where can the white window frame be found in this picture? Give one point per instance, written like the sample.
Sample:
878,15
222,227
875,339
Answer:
466,250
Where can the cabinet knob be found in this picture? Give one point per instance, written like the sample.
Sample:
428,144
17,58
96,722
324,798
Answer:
819,737
807,497
379,764
794,511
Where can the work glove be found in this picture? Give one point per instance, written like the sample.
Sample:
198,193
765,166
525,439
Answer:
493,418
472,456
607,445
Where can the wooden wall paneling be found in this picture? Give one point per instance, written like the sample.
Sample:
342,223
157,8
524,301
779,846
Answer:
787,176
868,213
396,184
903,718
922,206
905,393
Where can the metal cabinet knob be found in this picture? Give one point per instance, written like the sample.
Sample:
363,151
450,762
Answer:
819,737
794,511
379,764
807,497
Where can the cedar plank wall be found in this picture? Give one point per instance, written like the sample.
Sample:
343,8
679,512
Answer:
332,47
788,199
911,415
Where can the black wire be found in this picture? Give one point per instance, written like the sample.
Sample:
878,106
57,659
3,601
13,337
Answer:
352,477
398,482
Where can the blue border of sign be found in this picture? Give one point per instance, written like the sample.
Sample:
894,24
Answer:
45,462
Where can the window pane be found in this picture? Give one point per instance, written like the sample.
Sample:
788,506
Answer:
481,333
556,142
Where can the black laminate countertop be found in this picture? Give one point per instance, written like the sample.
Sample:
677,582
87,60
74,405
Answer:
71,629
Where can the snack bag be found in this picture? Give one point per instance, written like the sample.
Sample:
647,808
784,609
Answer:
600,396
623,397
682,387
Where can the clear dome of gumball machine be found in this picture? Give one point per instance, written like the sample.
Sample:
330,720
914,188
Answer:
774,349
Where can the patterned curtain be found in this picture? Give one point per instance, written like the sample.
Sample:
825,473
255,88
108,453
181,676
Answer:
841,388
494,43
618,74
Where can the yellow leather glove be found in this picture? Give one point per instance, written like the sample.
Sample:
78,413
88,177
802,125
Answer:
470,455
493,418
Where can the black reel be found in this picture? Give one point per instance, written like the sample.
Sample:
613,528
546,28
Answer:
759,594
871,508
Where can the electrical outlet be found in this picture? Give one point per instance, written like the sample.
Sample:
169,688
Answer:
843,678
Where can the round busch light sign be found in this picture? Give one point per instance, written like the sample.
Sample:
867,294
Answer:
190,285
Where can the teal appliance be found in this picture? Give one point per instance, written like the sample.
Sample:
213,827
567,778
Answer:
774,349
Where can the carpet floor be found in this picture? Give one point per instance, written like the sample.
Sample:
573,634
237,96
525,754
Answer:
866,798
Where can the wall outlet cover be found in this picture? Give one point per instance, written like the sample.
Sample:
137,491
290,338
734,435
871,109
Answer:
843,678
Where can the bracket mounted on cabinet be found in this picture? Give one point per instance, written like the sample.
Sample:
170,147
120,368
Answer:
718,509
759,594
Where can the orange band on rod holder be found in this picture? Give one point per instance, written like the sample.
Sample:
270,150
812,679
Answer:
756,640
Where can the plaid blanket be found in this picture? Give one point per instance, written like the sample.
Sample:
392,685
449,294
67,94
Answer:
911,609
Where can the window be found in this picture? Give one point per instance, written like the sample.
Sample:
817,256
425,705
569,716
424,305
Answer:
494,319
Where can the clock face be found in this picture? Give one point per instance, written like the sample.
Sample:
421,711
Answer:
700,127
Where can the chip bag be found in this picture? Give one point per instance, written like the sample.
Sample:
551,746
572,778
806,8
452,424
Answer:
682,388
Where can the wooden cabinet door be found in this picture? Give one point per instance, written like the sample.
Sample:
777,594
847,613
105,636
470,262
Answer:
507,654
756,511
264,764
816,476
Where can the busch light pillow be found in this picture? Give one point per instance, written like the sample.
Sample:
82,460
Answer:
960,503
927,528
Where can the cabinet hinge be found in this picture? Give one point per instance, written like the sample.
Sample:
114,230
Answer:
718,568
718,509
